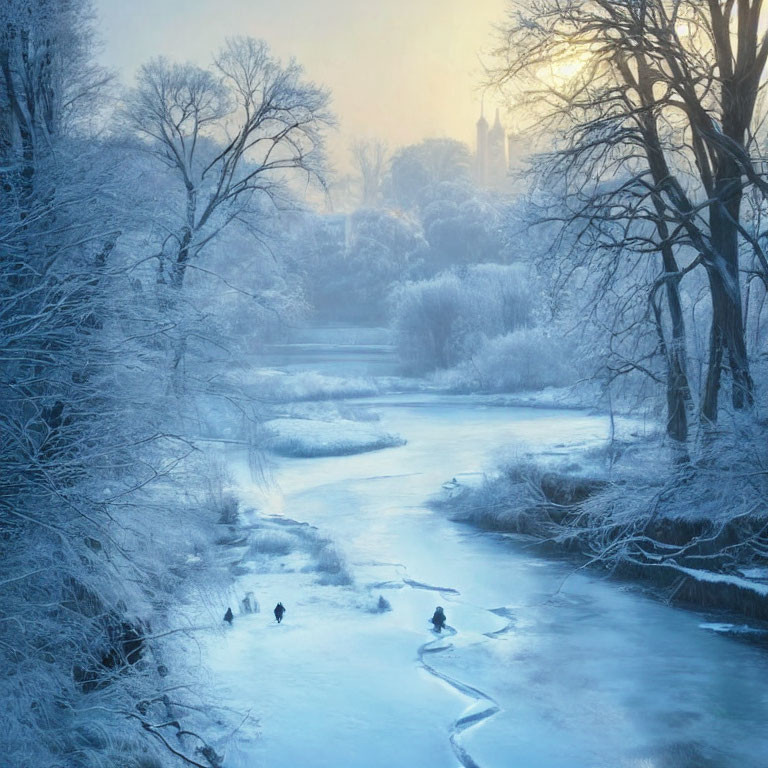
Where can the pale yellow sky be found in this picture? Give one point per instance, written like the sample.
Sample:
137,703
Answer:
400,70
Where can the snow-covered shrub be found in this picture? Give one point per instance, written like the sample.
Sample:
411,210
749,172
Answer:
332,567
279,387
502,502
356,413
438,323
524,359
327,560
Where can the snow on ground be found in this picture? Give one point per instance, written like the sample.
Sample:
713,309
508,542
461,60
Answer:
735,629
724,578
306,438
755,573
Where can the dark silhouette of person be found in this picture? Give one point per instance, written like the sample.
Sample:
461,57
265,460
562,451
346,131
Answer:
228,616
438,619
279,611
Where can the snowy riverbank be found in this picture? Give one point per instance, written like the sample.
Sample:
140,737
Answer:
682,529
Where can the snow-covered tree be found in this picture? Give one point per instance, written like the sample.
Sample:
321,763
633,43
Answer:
418,167
232,136
655,107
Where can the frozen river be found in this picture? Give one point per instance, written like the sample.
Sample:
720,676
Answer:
548,668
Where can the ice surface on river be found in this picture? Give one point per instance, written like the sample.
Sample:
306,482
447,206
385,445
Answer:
584,673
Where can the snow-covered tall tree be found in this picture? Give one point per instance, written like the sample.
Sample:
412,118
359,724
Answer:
655,102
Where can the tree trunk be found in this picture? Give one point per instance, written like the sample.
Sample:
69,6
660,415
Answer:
714,370
179,266
727,333
678,393
678,388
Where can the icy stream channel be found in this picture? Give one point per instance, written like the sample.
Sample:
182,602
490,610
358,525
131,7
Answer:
542,667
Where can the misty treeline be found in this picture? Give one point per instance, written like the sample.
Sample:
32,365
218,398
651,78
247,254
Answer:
439,261
416,212
134,230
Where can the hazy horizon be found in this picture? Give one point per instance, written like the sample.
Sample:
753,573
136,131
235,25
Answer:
386,82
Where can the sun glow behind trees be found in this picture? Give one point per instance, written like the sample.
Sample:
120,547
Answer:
653,130
387,81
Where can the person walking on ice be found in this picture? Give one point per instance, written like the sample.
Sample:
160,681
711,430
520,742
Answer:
279,611
438,619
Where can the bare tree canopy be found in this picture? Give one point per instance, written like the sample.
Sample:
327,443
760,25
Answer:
659,97
370,159
234,135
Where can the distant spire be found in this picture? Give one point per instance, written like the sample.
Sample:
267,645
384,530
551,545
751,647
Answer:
482,121
481,155
498,128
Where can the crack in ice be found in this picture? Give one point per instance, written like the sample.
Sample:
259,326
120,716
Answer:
466,721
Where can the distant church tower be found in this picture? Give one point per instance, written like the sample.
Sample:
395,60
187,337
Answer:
491,155
481,156
497,153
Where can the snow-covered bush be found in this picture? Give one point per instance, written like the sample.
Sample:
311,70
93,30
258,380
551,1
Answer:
271,543
279,387
502,502
327,561
438,323
524,359
332,567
